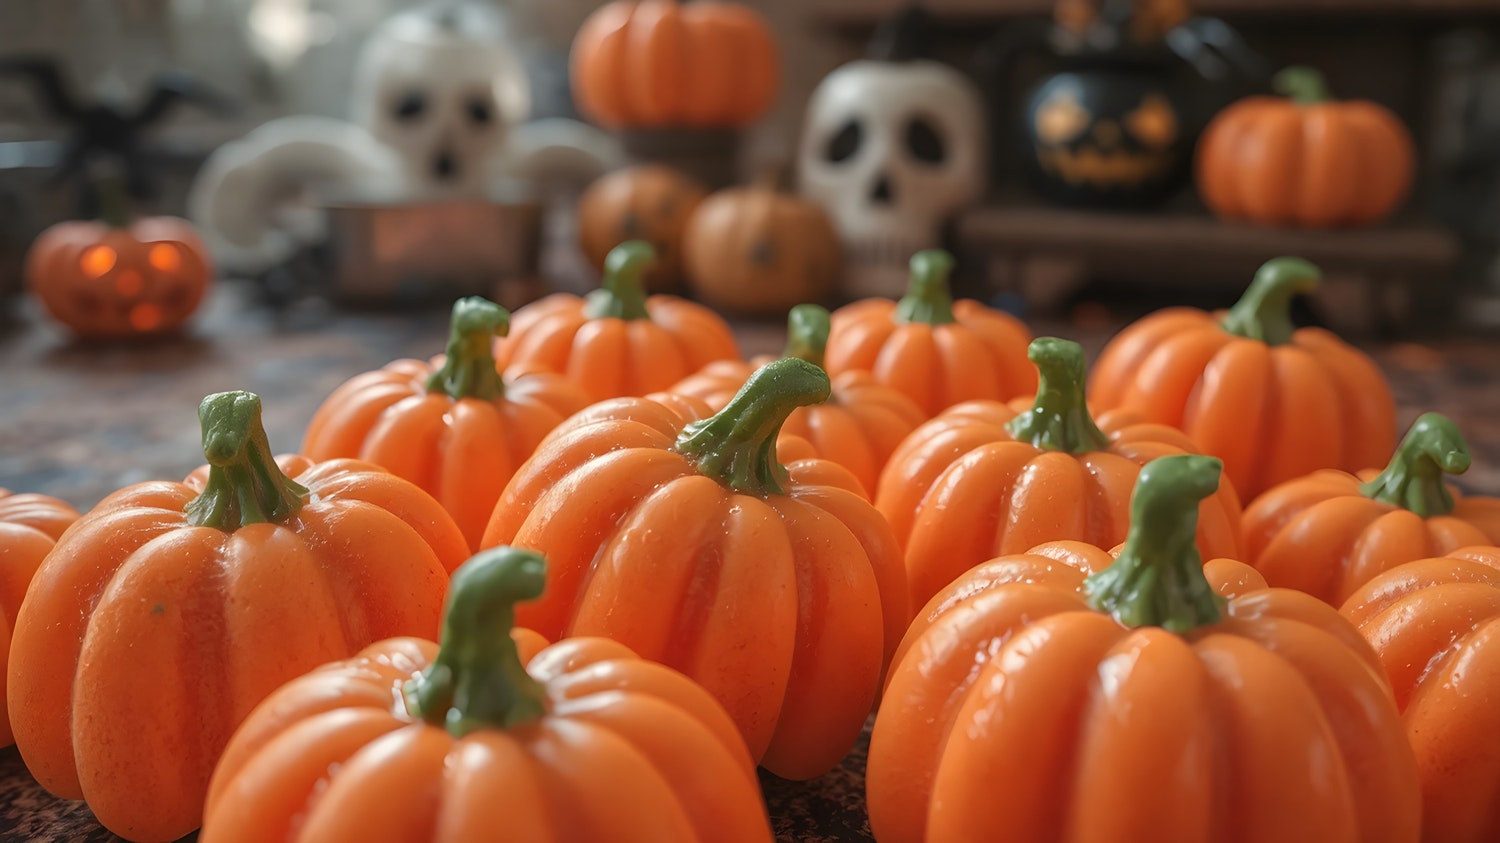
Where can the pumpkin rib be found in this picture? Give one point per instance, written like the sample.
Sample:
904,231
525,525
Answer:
1113,371
1164,384
388,789
1229,414
1362,390
1329,179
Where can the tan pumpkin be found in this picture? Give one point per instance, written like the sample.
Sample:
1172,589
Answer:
650,202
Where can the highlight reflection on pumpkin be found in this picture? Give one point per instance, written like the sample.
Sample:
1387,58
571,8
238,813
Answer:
1125,150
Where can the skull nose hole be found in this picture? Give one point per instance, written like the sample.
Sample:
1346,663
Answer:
445,165
883,193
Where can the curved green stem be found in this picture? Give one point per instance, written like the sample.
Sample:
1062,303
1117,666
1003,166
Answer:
807,328
928,298
245,486
1264,312
1301,84
737,445
468,370
477,679
1414,479
1158,578
622,295
114,202
1059,419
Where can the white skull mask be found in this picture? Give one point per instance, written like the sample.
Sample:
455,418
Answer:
440,86
891,149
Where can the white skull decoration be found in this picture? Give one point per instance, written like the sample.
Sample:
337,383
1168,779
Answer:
891,149
440,86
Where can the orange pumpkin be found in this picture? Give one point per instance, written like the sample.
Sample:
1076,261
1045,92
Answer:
120,280
489,735
1065,695
661,64
759,250
937,351
649,202
170,609
1434,624
859,425
684,539
617,341
29,526
1304,159
1330,532
985,479
453,426
1273,402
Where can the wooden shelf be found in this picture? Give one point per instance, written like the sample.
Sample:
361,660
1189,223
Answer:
864,13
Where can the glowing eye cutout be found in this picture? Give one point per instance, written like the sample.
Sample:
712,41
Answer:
164,257
97,261
1060,119
1153,123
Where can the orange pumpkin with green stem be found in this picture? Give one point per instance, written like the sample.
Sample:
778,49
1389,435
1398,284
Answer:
985,479
1274,402
1435,624
30,525
687,541
617,341
489,734
453,426
1329,533
170,609
1065,695
859,425
935,350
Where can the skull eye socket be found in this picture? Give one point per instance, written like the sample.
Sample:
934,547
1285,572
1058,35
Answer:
845,142
409,107
925,142
1153,123
1060,119
479,111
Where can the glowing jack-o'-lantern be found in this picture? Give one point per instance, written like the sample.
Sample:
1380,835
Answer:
113,282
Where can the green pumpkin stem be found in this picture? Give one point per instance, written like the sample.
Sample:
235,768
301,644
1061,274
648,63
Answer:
1431,449
477,680
928,297
1264,312
1158,578
245,486
807,327
468,370
1301,84
1059,419
737,445
622,294
114,202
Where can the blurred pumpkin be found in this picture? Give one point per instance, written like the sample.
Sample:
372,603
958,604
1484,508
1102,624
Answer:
650,202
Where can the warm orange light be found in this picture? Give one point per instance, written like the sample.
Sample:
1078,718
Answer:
165,257
97,261
145,317
129,283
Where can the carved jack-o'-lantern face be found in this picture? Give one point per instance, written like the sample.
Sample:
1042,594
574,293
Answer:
1103,139
104,282
1111,21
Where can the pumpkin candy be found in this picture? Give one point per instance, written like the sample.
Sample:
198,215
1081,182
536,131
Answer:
1305,159
170,609
1435,624
617,341
453,426
488,735
684,539
1330,532
859,425
649,202
1272,401
936,351
661,64
1065,695
986,479
30,525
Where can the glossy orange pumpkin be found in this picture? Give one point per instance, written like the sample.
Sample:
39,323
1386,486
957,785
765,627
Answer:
454,426
617,341
30,525
118,281
859,425
1272,401
1435,624
649,202
1304,159
661,64
687,541
491,735
985,479
1329,533
1065,695
170,609
936,351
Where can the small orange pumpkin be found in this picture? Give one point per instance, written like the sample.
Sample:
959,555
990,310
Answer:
664,64
936,351
649,202
617,341
489,735
30,525
454,426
